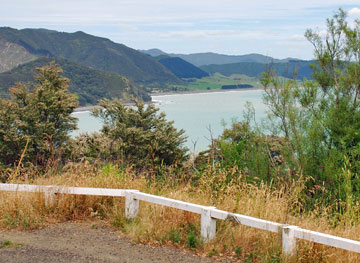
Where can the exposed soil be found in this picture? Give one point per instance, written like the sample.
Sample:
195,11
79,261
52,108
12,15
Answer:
86,242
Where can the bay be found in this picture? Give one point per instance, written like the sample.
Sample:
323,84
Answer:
196,113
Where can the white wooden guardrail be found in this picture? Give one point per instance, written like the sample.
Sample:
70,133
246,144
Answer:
208,214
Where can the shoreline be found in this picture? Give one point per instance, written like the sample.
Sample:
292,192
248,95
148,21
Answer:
187,92
170,93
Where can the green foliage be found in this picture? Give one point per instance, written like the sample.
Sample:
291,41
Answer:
135,135
257,155
192,239
240,86
9,244
320,120
37,122
238,251
91,147
174,235
234,144
5,243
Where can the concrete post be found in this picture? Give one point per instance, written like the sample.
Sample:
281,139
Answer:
288,240
131,205
208,224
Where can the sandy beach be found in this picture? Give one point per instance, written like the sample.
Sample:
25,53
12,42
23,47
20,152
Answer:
201,91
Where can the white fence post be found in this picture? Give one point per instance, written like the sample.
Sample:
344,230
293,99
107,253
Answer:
288,240
50,196
208,224
131,205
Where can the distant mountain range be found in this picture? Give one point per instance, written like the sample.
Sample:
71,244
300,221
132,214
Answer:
209,58
292,69
18,47
252,65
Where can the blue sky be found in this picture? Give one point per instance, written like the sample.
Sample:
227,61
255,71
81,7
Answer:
234,27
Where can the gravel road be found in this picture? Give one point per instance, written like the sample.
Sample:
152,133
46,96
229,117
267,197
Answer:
82,242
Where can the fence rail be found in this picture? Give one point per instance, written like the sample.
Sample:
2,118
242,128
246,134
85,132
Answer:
209,214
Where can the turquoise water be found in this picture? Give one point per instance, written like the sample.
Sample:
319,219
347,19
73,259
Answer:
197,113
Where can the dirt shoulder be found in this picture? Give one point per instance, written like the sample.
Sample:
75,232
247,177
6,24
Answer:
85,242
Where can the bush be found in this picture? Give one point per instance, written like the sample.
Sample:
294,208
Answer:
37,123
135,135
256,154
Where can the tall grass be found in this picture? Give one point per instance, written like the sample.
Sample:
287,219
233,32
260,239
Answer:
224,188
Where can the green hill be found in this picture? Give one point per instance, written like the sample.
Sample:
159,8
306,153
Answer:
89,84
91,51
181,68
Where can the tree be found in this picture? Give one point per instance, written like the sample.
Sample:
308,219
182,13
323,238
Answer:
40,120
139,135
320,119
338,73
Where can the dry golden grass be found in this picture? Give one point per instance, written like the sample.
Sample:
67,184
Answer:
161,225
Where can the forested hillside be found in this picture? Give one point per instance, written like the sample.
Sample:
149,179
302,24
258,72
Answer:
89,84
181,68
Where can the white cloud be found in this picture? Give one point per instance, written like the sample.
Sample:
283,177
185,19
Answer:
354,12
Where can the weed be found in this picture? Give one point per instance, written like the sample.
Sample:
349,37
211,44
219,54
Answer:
5,243
238,251
191,240
119,221
174,236
213,253
9,244
250,258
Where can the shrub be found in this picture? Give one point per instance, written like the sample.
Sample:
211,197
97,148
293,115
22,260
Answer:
38,122
135,135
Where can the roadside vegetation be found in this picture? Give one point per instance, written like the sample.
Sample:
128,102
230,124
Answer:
299,167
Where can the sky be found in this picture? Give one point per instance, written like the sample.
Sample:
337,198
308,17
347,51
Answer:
235,27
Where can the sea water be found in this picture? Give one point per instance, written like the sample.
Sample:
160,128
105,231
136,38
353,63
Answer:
201,115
